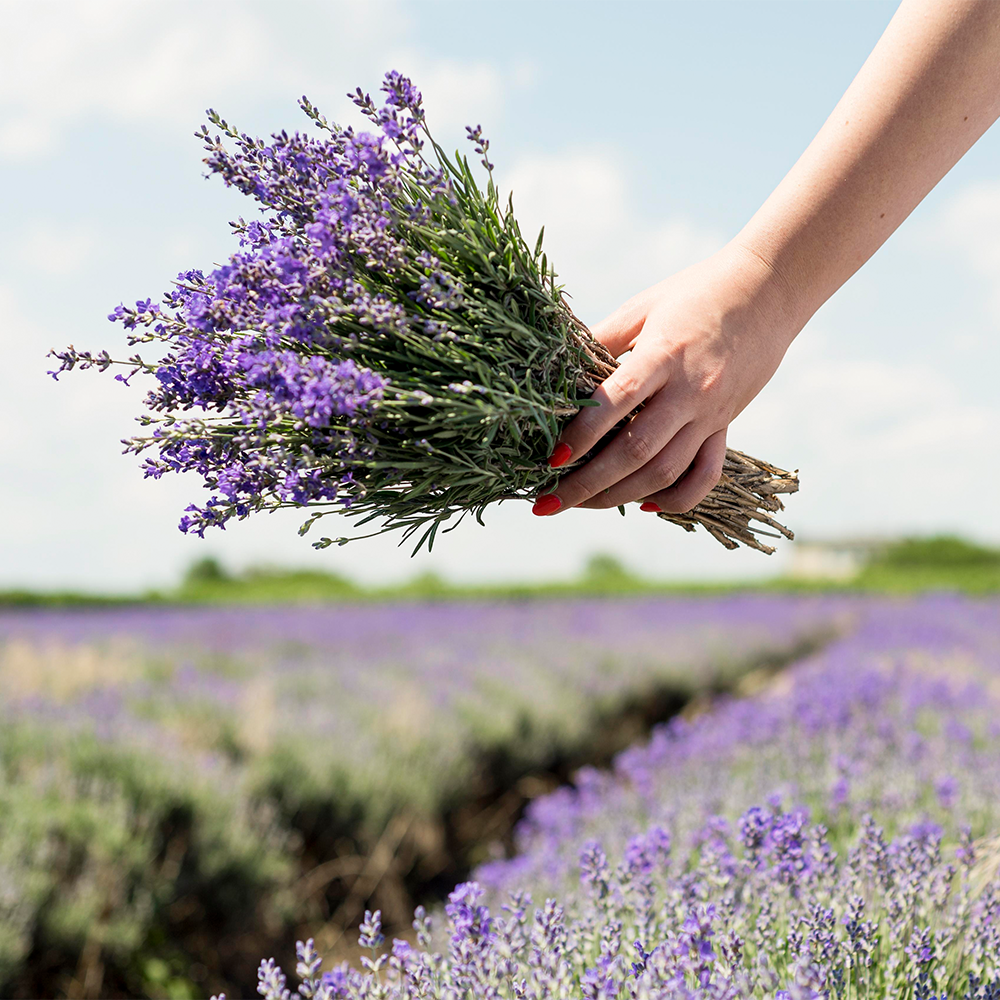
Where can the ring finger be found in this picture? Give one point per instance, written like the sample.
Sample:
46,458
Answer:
631,449
659,473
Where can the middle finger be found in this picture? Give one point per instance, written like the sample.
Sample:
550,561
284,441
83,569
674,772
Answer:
642,438
661,472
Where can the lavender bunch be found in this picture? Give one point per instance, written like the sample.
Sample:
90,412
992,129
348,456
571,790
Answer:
385,343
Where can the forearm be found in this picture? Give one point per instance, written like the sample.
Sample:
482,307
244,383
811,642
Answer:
703,342
928,91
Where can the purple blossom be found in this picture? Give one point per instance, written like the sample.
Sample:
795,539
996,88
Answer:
269,345
470,921
371,935
594,869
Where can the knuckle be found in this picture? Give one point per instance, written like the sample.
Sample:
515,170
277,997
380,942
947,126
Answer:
707,477
673,505
680,501
636,448
688,495
576,491
623,386
710,380
667,474
590,418
583,431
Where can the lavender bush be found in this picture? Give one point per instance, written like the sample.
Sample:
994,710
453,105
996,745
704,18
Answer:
835,836
394,703
157,761
384,344
100,843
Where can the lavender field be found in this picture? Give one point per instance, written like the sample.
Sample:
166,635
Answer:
184,789
835,835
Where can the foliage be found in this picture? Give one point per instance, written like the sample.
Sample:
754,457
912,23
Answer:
98,841
205,570
946,551
939,562
261,585
910,566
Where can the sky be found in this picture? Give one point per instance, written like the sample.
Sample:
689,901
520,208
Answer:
642,135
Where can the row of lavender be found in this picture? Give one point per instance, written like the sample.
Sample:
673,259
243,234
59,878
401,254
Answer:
834,836
158,765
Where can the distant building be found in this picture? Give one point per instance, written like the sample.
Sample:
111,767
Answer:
833,559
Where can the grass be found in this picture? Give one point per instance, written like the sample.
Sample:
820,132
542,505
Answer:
908,566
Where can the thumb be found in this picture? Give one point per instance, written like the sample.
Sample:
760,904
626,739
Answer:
618,331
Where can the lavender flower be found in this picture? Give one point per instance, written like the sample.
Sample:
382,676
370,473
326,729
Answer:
333,340
715,854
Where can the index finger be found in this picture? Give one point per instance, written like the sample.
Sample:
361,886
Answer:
620,393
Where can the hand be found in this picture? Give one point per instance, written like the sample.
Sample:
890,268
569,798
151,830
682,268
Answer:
704,342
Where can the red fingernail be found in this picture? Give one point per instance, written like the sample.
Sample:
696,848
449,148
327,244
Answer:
649,505
560,456
547,504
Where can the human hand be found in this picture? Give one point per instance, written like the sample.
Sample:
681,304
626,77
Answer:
703,343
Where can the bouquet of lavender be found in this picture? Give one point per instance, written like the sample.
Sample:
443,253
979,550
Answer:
385,343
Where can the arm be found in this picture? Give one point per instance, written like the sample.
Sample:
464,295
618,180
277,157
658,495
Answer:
706,341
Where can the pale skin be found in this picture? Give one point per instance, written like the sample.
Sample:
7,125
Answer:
706,340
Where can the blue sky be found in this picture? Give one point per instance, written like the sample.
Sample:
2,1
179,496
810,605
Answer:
643,135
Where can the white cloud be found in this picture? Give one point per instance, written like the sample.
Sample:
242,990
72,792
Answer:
25,138
128,60
58,250
882,447
603,247
455,94
970,222
150,62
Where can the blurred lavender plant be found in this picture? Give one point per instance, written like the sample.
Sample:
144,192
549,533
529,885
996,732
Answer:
397,701
834,837
113,721
385,344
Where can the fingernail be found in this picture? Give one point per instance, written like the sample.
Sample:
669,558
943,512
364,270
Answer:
560,456
547,504
649,505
